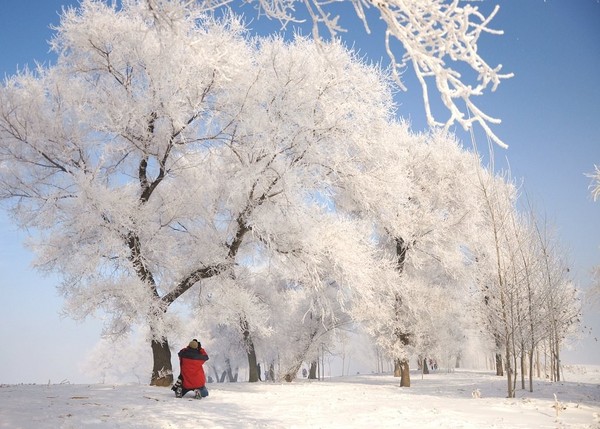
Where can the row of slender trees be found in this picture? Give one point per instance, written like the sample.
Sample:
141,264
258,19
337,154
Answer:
529,298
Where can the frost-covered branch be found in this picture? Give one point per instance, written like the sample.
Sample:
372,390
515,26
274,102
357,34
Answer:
439,37
595,185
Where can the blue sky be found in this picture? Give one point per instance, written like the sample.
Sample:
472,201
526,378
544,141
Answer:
551,122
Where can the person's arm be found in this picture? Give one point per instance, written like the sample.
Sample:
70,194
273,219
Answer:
203,354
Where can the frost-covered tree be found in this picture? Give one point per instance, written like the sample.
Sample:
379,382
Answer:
499,291
160,152
594,292
525,295
436,39
422,202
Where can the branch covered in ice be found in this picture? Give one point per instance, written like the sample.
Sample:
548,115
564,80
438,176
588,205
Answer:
439,37
595,185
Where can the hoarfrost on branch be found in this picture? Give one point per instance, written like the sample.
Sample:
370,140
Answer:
440,38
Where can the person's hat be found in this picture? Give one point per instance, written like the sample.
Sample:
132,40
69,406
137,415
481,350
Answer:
193,344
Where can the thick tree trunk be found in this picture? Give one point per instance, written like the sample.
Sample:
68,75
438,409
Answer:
252,363
162,370
404,373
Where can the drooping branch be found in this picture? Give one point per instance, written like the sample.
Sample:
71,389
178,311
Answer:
439,37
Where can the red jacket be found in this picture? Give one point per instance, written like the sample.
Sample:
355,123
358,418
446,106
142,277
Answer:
191,362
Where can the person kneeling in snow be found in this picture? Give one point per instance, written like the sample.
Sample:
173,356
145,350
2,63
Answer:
191,377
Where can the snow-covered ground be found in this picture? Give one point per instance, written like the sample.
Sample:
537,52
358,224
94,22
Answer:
439,400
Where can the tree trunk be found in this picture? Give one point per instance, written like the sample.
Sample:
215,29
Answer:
250,352
499,367
556,351
162,370
531,369
405,373
397,367
252,364
509,372
272,371
232,378
523,368
312,373
292,372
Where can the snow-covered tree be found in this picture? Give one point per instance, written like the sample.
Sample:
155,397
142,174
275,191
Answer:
594,292
422,202
436,39
157,153
525,295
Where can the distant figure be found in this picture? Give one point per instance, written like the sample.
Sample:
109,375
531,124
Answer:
258,369
191,377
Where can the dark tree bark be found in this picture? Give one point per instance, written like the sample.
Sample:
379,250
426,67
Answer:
250,352
401,366
404,373
499,367
272,371
162,371
232,377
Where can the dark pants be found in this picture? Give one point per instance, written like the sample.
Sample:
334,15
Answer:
179,385
203,391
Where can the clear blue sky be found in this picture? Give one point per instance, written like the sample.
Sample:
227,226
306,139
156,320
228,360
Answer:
551,121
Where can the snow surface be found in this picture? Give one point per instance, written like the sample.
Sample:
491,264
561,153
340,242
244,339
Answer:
439,400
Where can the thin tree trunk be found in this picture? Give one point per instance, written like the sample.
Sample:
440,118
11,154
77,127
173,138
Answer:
499,366
531,369
250,352
272,371
232,378
523,367
557,353
397,367
511,392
